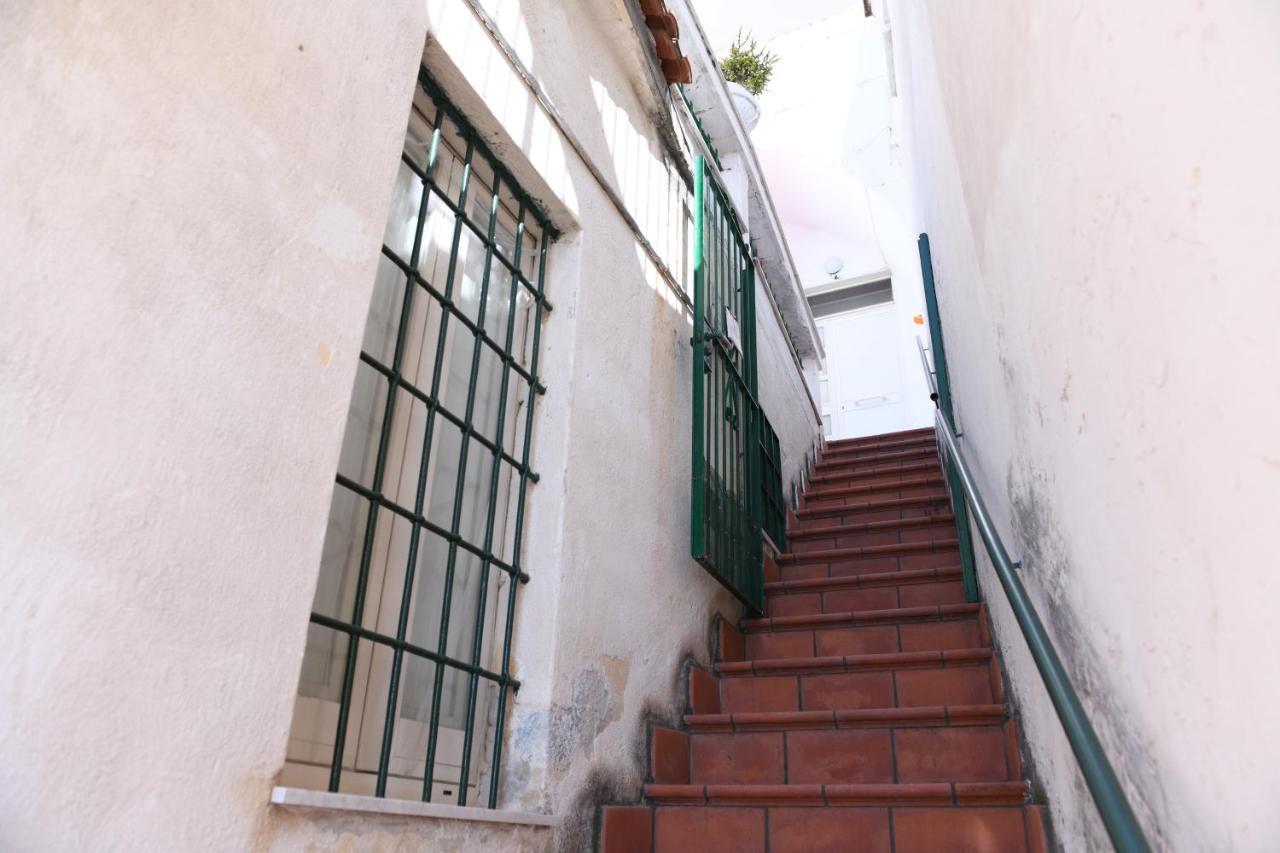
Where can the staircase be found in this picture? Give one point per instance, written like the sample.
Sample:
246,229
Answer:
865,711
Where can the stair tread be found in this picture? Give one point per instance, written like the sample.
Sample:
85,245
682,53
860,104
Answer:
904,467
919,447
838,530
880,440
859,617
854,663
669,828
913,450
921,716
871,506
922,793
825,555
924,430
863,580
872,488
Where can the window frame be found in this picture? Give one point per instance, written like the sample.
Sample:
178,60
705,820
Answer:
518,371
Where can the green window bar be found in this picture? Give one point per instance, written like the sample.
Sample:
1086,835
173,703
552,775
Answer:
726,492
407,678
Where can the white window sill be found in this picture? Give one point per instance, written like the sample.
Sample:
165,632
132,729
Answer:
304,798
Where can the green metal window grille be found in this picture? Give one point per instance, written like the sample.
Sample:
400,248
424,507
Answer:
728,505
407,681
773,501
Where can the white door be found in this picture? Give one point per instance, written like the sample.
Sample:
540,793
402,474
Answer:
862,388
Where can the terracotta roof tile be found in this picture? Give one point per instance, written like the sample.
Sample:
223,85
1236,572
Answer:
666,39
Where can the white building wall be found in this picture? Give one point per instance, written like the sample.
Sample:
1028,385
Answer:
1099,183
194,209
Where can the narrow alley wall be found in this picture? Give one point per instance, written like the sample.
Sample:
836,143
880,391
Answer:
1099,182
192,226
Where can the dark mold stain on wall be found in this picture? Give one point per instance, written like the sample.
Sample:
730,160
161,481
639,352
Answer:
1047,571
619,779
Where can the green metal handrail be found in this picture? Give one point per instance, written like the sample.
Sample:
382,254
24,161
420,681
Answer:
942,396
1113,806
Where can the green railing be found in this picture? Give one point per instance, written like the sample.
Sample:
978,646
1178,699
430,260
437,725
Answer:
1113,806
727,496
958,509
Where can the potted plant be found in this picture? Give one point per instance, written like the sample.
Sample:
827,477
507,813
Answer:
747,68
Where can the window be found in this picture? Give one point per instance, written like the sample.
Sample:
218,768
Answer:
406,678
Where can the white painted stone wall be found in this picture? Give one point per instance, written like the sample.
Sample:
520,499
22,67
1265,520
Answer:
193,208
1100,181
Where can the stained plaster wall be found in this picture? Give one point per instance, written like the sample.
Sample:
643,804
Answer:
219,179
1099,180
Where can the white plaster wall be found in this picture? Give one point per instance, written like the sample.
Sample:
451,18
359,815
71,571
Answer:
1099,182
188,243
186,262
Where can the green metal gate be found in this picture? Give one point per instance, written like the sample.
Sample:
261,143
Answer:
730,477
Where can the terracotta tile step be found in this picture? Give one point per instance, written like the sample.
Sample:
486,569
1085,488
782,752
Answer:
890,525
883,438
884,479
861,565
865,580
811,496
896,615
860,552
932,635
916,592
900,754
879,509
798,829
902,556
849,718
854,663
923,588
876,457
918,794
887,684
860,469
905,530
874,472
927,445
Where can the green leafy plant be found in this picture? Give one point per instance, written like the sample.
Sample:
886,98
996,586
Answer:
748,64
